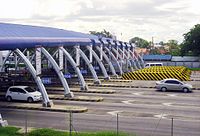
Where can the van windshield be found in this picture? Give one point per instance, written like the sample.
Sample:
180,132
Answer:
29,89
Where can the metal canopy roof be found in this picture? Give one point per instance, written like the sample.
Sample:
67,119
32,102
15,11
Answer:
14,36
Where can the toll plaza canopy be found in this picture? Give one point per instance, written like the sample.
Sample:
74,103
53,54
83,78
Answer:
14,36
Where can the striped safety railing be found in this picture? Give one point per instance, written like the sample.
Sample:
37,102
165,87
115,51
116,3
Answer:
159,73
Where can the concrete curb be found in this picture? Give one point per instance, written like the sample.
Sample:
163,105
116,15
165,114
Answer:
52,109
84,91
94,91
125,81
81,98
128,86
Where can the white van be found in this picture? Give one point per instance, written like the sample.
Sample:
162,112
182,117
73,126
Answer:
153,64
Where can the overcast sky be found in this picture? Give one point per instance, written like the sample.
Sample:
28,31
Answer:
161,19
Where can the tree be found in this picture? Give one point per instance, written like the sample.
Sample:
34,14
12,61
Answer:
174,47
103,33
191,43
139,42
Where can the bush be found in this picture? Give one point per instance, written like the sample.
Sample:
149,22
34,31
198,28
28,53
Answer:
50,132
9,131
13,131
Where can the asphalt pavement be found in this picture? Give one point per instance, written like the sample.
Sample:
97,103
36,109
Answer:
145,111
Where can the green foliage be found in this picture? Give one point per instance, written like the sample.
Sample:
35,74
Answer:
191,43
13,131
194,69
47,132
174,47
9,131
103,33
154,51
50,132
139,42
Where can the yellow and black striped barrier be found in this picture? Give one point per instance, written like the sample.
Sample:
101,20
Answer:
159,73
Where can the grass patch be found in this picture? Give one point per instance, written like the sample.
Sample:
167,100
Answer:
13,131
9,131
194,69
50,132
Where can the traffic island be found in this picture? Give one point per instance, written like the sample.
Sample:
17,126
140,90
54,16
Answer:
101,91
38,106
77,98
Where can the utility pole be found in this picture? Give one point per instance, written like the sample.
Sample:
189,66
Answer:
70,124
117,124
26,123
152,42
172,129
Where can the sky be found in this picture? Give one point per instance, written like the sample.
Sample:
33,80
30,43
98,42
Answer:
161,19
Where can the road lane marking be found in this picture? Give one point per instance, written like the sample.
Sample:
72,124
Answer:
167,104
114,113
163,116
138,94
128,102
172,95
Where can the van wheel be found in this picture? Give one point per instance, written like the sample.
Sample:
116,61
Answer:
9,98
185,90
163,89
30,100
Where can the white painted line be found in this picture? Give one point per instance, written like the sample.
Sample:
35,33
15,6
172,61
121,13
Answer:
172,95
114,113
128,102
167,104
138,94
163,116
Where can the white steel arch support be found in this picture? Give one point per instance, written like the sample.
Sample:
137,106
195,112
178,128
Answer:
87,61
76,68
141,60
136,60
113,56
67,92
4,61
119,56
132,59
46,101
107,60
99,62
127,55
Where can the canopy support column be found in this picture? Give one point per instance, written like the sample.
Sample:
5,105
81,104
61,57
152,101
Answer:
4,61
76,68
125,57
132,59
107,60
99,62
135,57
67,92
87,61
46,101
128,59
119,56
113,56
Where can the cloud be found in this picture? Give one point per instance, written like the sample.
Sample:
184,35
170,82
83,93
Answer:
163,19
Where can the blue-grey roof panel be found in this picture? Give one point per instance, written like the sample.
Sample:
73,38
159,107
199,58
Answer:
27,36
157,57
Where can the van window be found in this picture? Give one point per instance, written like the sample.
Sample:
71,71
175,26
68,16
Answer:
153,64
158,64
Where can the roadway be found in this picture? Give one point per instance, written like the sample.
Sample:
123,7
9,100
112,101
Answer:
144,111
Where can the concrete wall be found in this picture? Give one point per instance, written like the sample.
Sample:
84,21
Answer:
187,61
178,63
